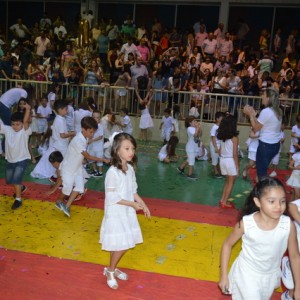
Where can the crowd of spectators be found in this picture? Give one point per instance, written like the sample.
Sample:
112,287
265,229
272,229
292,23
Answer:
198,60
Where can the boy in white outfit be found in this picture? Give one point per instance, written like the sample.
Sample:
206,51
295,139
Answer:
167,125
71,168
95,147
214,144
16,151
60,133
43,113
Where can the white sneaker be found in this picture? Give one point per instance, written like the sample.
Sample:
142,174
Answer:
286,296
273,174
287,276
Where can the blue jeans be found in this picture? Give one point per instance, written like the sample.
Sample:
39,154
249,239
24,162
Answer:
5,114
264,155
14,171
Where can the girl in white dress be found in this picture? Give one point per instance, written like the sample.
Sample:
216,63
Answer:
229,161
294,179
141,84
120,229
266,234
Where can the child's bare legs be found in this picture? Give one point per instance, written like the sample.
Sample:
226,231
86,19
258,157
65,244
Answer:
183,165
111,271
190,170
250,165
229,182
18,190
72,197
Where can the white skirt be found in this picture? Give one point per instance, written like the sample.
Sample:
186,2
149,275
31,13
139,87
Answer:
294,180
120,229
227,166
146,121
245,284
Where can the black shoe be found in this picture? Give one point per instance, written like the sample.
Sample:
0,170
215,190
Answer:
16,204
53,179
192,177
219,176
181,171
97,174
23,189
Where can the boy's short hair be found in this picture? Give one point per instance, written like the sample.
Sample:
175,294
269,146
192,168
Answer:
89,123
59,104
219,114
124,110
17,117
167,110
56,156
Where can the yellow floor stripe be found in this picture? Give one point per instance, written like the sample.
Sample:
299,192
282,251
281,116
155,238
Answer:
171,247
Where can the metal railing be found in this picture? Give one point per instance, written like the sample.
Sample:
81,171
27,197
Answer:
116,97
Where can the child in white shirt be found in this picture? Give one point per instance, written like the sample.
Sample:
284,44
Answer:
167,125
95,147
71,168
16,151
43,113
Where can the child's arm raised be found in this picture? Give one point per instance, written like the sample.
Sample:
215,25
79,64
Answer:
26,119
234,236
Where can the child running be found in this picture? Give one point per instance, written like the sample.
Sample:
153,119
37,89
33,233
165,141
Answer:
266,234
120,229
167,152
95,147
71,168
16,151
193,133
229,161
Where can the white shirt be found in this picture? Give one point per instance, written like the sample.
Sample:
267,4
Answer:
126,121
296,131
78,116
44,111
12,96
213,132
97,145
73,158
167,123
59,126
21,33
16,143
42,45
209,46
191,146
270,132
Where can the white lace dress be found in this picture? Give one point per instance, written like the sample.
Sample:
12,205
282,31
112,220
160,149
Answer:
120,229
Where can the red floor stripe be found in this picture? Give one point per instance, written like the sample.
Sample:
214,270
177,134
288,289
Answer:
31,276
158,207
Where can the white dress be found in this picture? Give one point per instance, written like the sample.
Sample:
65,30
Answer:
146,120
294,179
120,229
256,271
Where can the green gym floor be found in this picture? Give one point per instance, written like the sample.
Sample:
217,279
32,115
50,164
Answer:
160,180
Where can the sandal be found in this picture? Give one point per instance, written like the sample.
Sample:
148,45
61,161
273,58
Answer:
226,206
112,282
121,275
